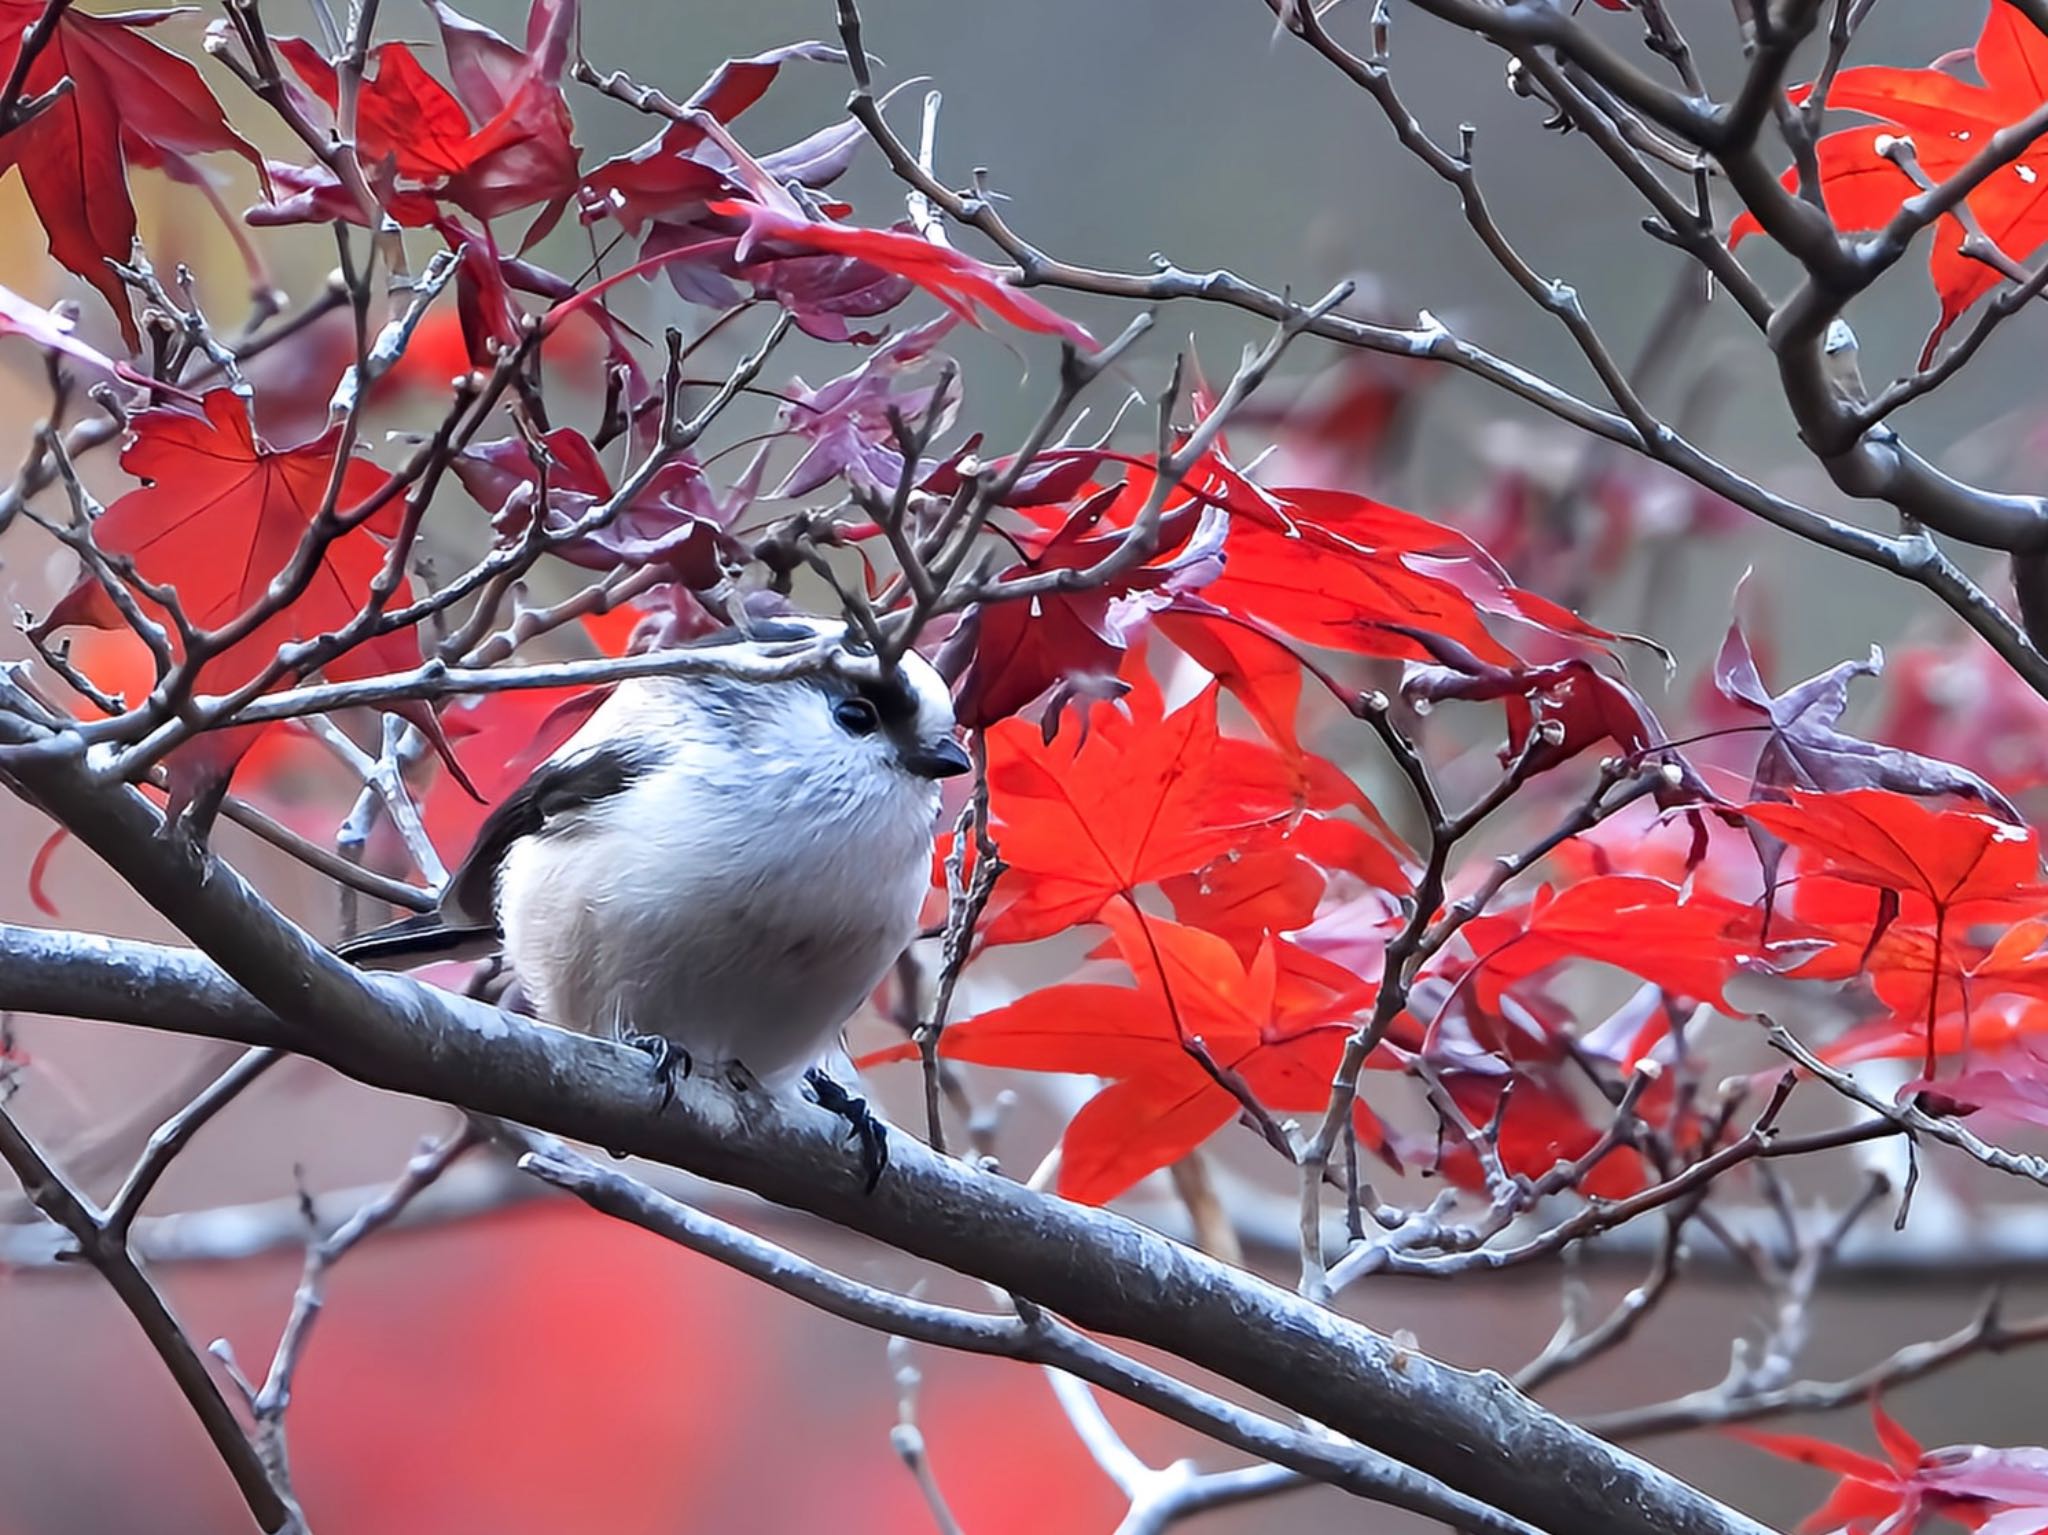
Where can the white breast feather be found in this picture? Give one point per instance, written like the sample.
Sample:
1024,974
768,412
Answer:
740,903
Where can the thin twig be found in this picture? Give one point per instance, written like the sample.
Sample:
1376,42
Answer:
271,1506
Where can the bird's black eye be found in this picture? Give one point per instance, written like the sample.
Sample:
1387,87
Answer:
857,716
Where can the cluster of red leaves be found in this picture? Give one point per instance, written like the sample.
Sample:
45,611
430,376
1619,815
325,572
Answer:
1991,1491
1279,870
497,138
130,102
499,141
1948,121
1939,912
1282,877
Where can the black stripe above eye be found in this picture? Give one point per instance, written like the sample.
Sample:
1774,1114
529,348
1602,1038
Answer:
894,702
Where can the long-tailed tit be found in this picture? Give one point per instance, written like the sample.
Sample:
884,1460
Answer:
712,866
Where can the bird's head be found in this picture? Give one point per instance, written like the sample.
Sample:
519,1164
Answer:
854,712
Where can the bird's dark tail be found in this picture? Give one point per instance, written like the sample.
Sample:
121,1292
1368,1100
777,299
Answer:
417,940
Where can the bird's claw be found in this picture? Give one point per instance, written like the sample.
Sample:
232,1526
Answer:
667,1058
861,1123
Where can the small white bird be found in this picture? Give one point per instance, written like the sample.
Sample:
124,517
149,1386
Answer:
715,868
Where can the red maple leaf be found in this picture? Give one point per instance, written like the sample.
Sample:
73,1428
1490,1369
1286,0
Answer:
1339,569
1137,800
1688,943
219,516
1870,1489
1946,859
1948,121
1255,667
1950,986
1969,1484
1249,894
1935,873
1990,1027
499,739
773,217
130,102
1195,1000
1325,567
1016,649
500,140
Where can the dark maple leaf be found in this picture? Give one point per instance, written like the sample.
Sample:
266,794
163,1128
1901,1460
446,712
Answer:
772,218
1803,749
665,178
965,286
676,520
1581,705
823,292
129,100
1056,475
308,194
1007,653
847,425
1948,121
2010,1085
516,92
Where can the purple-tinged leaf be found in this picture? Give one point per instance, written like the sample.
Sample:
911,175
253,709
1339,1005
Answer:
675,521
1806,750
847,420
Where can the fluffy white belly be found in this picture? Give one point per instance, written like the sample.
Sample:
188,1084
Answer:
752,946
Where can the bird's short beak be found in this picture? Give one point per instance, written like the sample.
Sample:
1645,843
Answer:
938,759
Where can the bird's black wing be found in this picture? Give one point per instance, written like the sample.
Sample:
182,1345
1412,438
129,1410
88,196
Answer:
465,927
